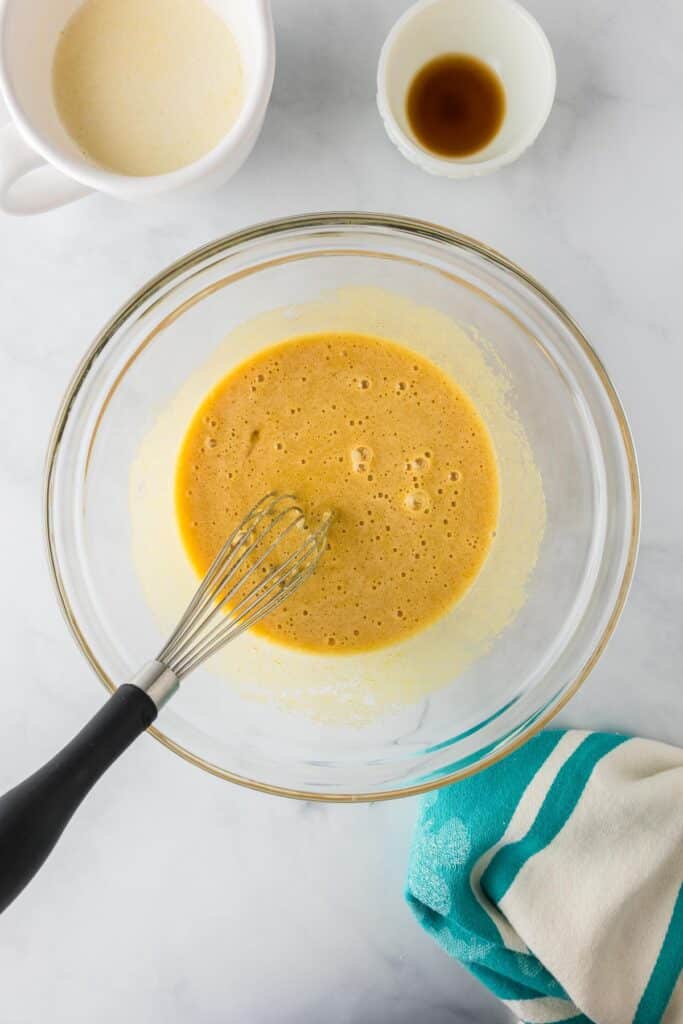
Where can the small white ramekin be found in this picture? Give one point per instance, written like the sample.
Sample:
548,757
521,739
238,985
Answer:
501,33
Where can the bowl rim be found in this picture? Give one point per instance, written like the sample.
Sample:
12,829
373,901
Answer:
403,225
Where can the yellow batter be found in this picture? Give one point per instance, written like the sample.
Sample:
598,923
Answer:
378,434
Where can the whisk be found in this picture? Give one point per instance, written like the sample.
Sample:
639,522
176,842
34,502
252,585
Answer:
268,556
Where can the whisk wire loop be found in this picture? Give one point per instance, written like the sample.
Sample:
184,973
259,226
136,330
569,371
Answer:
234,595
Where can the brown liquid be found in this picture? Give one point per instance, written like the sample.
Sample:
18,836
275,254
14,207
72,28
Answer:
455,105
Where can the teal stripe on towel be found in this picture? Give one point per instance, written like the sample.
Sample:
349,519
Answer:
439,889
556,809
665,973
507,988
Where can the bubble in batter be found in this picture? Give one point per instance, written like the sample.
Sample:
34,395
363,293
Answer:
361,458
406,463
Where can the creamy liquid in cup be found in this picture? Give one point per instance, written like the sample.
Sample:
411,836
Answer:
145,87
378,435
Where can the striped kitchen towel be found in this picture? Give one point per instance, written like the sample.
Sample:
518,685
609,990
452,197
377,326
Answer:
556,877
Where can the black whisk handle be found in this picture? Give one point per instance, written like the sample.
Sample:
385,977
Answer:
34,814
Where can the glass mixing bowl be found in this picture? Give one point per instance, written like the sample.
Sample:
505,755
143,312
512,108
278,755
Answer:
571,417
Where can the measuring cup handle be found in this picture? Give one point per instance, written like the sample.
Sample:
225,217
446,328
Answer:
28,184
34,814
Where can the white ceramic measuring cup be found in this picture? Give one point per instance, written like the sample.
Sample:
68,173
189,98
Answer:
501,33
41,167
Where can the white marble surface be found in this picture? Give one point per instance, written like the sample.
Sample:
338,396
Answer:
175,897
